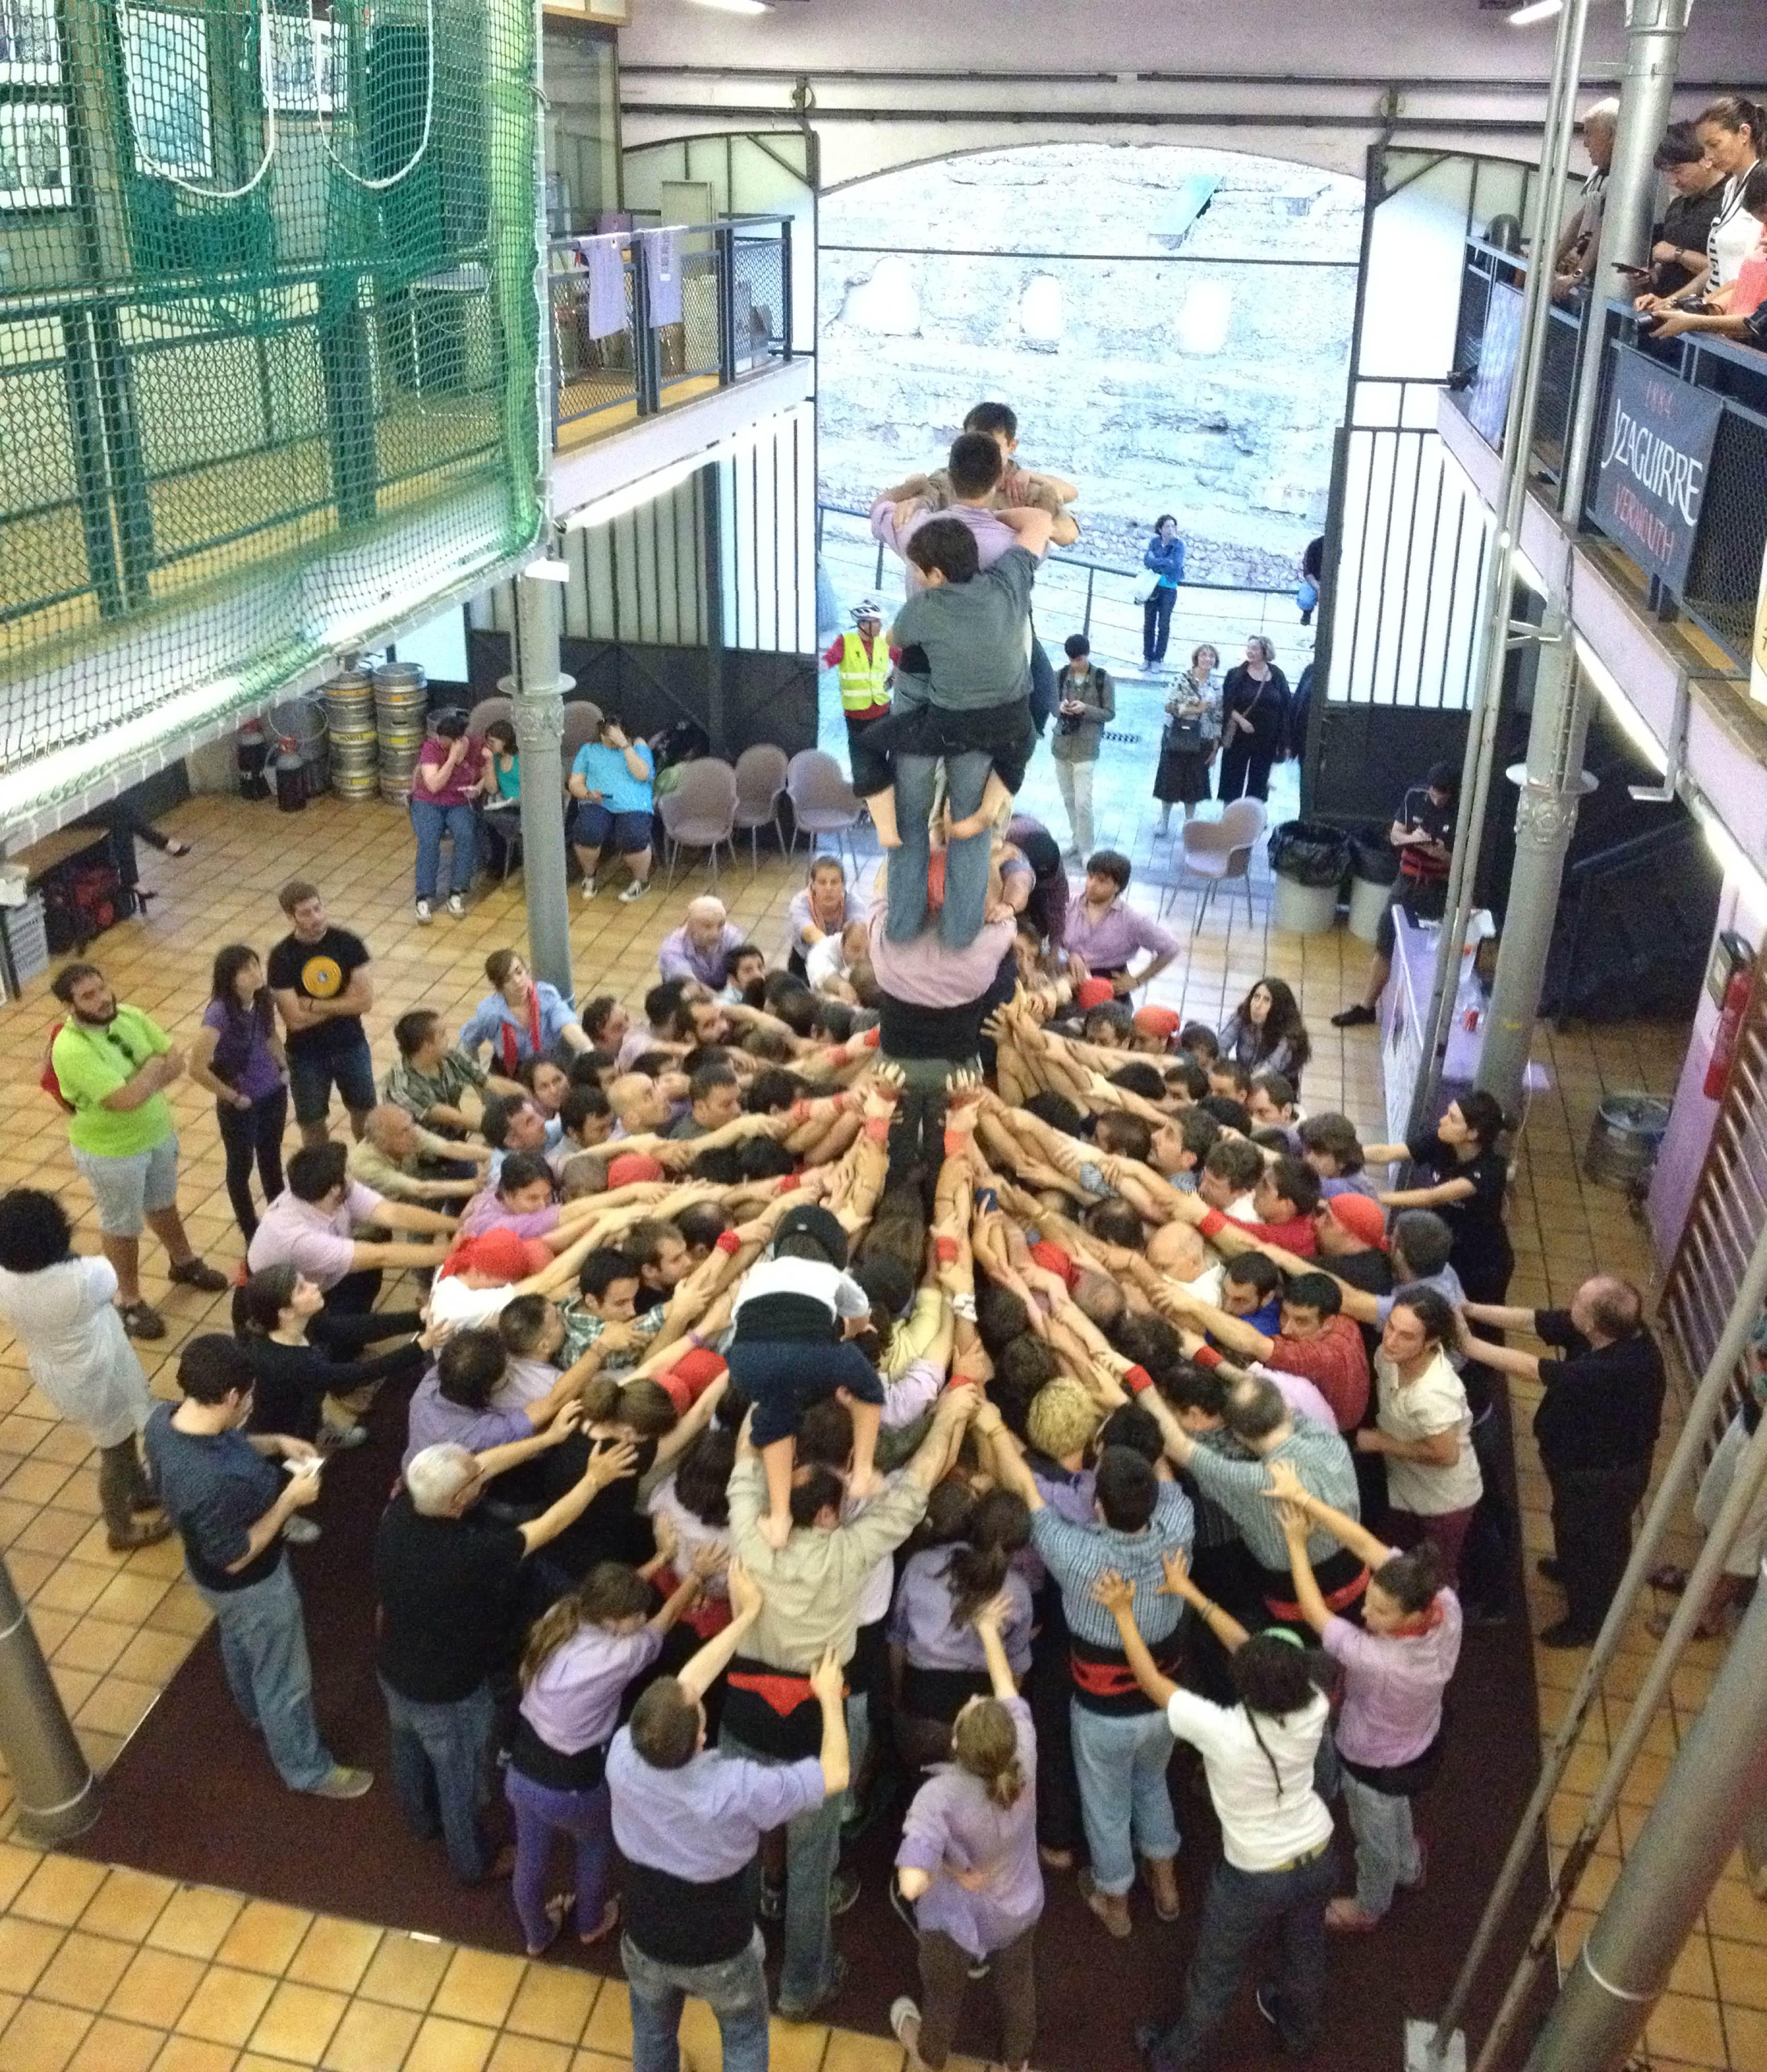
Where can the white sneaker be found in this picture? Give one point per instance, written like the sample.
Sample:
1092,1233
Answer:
299,1532
425,913
457,904
590,888
635,890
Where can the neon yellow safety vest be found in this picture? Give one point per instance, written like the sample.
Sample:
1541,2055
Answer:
865,678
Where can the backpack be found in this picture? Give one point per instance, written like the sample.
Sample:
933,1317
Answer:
46,1079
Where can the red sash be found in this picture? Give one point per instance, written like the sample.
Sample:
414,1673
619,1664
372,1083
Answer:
512,1055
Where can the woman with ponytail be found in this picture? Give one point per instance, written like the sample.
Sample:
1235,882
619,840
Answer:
938,1662
299,1385
1276,1871
1396,1667
580,1657
967,1865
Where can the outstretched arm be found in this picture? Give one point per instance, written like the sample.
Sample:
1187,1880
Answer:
1116,1594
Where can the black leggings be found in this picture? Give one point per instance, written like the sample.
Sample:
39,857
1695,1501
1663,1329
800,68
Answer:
250,1134
1245,768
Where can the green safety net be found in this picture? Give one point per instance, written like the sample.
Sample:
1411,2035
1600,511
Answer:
269,338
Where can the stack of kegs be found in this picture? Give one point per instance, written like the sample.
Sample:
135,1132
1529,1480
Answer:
355,748
401,703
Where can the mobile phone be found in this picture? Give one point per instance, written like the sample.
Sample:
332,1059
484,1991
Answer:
1636,272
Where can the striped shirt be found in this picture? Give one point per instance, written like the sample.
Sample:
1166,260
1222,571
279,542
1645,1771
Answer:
1076,1555
1318,1455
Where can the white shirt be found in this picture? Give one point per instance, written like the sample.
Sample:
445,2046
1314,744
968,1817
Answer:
79,1355
1735,234
1261,1826
524,1380
692,1533
452,1301
1435,1402
824,960
814,1278
1206,1287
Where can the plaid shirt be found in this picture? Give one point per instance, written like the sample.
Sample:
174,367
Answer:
1076,1555
1319,1457
417,1092
582,1331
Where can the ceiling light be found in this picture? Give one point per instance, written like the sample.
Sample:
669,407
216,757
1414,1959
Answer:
766,6
1523,18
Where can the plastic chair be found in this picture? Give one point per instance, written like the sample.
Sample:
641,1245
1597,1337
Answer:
760,785
1217,852
581,721
823,802
700,812
486,711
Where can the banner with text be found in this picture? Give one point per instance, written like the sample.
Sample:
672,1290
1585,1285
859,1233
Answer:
1656,450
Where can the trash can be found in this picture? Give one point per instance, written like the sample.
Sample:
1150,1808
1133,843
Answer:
1310,861
1624,1140
1373,864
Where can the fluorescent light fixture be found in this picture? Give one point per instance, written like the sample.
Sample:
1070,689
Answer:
1523,18
548,571
1734,861
766,6
1626,714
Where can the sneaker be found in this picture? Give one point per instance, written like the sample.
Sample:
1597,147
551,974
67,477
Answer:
299,1532
340,1781
1357,1017
142,1320
795,2011
457,904
343,1438
198,1273
635,890
904,2013
146,1532
426,913
590,888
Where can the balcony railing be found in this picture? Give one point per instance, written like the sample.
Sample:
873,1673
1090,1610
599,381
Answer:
613,361
1723,581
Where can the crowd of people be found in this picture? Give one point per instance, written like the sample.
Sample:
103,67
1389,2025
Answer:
890,1377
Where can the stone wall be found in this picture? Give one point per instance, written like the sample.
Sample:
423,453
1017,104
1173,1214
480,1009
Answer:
1178,373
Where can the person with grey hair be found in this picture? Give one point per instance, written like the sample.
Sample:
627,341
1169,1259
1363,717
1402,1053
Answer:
1254,722
1580,242
447,1585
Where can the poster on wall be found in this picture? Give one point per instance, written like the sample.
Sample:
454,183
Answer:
166,55
1655,451
1488,401
306,66
30,47
34,172
1757,658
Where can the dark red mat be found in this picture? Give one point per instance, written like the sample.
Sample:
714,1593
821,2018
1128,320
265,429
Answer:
192,1797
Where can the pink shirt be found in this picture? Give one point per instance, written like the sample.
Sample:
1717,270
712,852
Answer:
433,754
319,1243
485,1212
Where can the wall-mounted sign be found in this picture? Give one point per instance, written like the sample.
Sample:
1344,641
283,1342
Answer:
1488,401
1655,452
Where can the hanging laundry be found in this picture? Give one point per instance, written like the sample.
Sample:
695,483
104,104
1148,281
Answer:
663,275
605,309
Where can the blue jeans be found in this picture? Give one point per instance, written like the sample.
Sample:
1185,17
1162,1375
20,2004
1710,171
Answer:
438,1756
430,823
264,1652
812,1849
966,862
312,1075
1386,1850
1121,1762
1242,1906
735,1991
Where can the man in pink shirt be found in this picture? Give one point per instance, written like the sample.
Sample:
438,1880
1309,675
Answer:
311,1224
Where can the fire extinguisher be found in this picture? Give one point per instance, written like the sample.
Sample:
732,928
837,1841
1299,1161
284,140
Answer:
1723,1046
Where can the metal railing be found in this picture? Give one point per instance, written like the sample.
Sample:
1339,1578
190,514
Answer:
610,354
1724,581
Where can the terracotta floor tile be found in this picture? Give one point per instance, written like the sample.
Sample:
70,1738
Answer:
59,1891
298,2023
334,1953
85,1970
41,2037
155,1987
405,1972
110,2045
265,1936
127,1904
226,2007
190,2053
610,2025
1689,2029
26,1947
443,2046
16,1866
93,1644
528,2053
848,2053
195,1920
553,2002
370,2037
479,1986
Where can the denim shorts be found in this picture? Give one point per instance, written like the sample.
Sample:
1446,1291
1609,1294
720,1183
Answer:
129,1190
632,831
311,1079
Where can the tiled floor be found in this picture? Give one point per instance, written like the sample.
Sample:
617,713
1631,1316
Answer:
116,1971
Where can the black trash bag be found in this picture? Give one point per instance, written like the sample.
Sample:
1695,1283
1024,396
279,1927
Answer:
1310,853
1373,856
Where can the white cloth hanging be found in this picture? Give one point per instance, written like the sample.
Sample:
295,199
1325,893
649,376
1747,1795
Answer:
663,275
605,310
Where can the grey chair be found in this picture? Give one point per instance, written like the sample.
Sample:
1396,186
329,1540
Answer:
823,802
1219,852
486,711
700,812
760,785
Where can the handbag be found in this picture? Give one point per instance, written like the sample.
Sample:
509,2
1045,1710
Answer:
1184,736
1144,592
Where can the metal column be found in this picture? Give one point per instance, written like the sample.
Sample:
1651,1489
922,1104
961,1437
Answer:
58,1794
537,688
1654,31
1719,1773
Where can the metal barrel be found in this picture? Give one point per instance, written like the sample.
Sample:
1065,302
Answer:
401,706
353,744
1624,1140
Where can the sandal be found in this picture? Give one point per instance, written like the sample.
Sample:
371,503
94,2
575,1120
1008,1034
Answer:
174,847
605,1927
556,1908
142,1320
1117,1925
194,1272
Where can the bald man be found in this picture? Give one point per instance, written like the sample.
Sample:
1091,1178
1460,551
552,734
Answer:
1579,241
387,1158
1596,1428
701,948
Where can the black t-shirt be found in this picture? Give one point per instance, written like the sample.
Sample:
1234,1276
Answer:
1371,1271
612,1528
1687,223
447,1588
1603,1405
1481,1256
319,970
1417,809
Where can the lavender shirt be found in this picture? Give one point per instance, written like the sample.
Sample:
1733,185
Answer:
573,1703
1072,1497
1108,943
1393,1687
799,915
954,1823
921,1622
243,1057
485,1212
434,1421
680,957
704,1821
927,974
992,539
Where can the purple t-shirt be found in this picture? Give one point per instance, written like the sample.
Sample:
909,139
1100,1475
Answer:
992,539
434,1421
486,1211
573,1703
1393,1686
920,1620
953,1824
433,754
243,1057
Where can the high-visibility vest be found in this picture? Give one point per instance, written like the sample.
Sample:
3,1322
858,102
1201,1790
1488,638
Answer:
865,678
